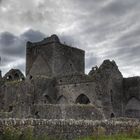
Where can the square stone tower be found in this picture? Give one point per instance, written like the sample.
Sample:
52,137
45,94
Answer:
51,58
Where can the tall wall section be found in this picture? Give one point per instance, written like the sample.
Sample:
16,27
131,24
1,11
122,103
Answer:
110,88
132,97
51,58
40,98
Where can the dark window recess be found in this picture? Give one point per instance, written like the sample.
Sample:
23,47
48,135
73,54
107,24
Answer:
37,114
10,109
22,79
30,77
16,76
9,77
82,99
47,99
112,115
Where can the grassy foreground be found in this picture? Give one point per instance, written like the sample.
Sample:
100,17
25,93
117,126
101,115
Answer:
30,137
15,134
115,137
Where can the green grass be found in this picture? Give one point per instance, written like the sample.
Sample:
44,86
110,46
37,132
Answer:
11,133
115,137
131,135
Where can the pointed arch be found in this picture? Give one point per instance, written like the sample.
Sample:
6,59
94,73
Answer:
62,100
39,62
82,99
132,108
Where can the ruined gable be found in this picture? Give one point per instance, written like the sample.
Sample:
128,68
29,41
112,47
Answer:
40,67
60,59
14,75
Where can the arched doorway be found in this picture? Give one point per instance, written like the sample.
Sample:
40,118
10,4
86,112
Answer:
82,99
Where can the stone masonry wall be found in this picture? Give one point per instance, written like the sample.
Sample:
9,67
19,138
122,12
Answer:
72,91
131,97
71,129
57,59
65,111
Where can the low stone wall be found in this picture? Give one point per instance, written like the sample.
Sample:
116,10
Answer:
63,111
71,129
55,111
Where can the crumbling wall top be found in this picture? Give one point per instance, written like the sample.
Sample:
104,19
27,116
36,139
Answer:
14,74
74,78
52,39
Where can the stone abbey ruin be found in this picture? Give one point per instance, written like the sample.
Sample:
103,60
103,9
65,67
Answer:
56,88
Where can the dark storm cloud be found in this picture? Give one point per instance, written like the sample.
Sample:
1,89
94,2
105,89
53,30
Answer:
12,48
32,35
119,7
11,45
7,38
111,30
105,29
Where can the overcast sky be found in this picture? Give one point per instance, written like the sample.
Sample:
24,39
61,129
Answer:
105,29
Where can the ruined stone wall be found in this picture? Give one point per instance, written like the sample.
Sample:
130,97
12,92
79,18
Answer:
69,93
18,97
103,90
53,59
15,98
110,82
43,98
13,75
66,111
74,78
132,97
68,60
70,129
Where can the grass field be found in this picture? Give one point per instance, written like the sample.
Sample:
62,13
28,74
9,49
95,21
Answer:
30,137
14,134
117,137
